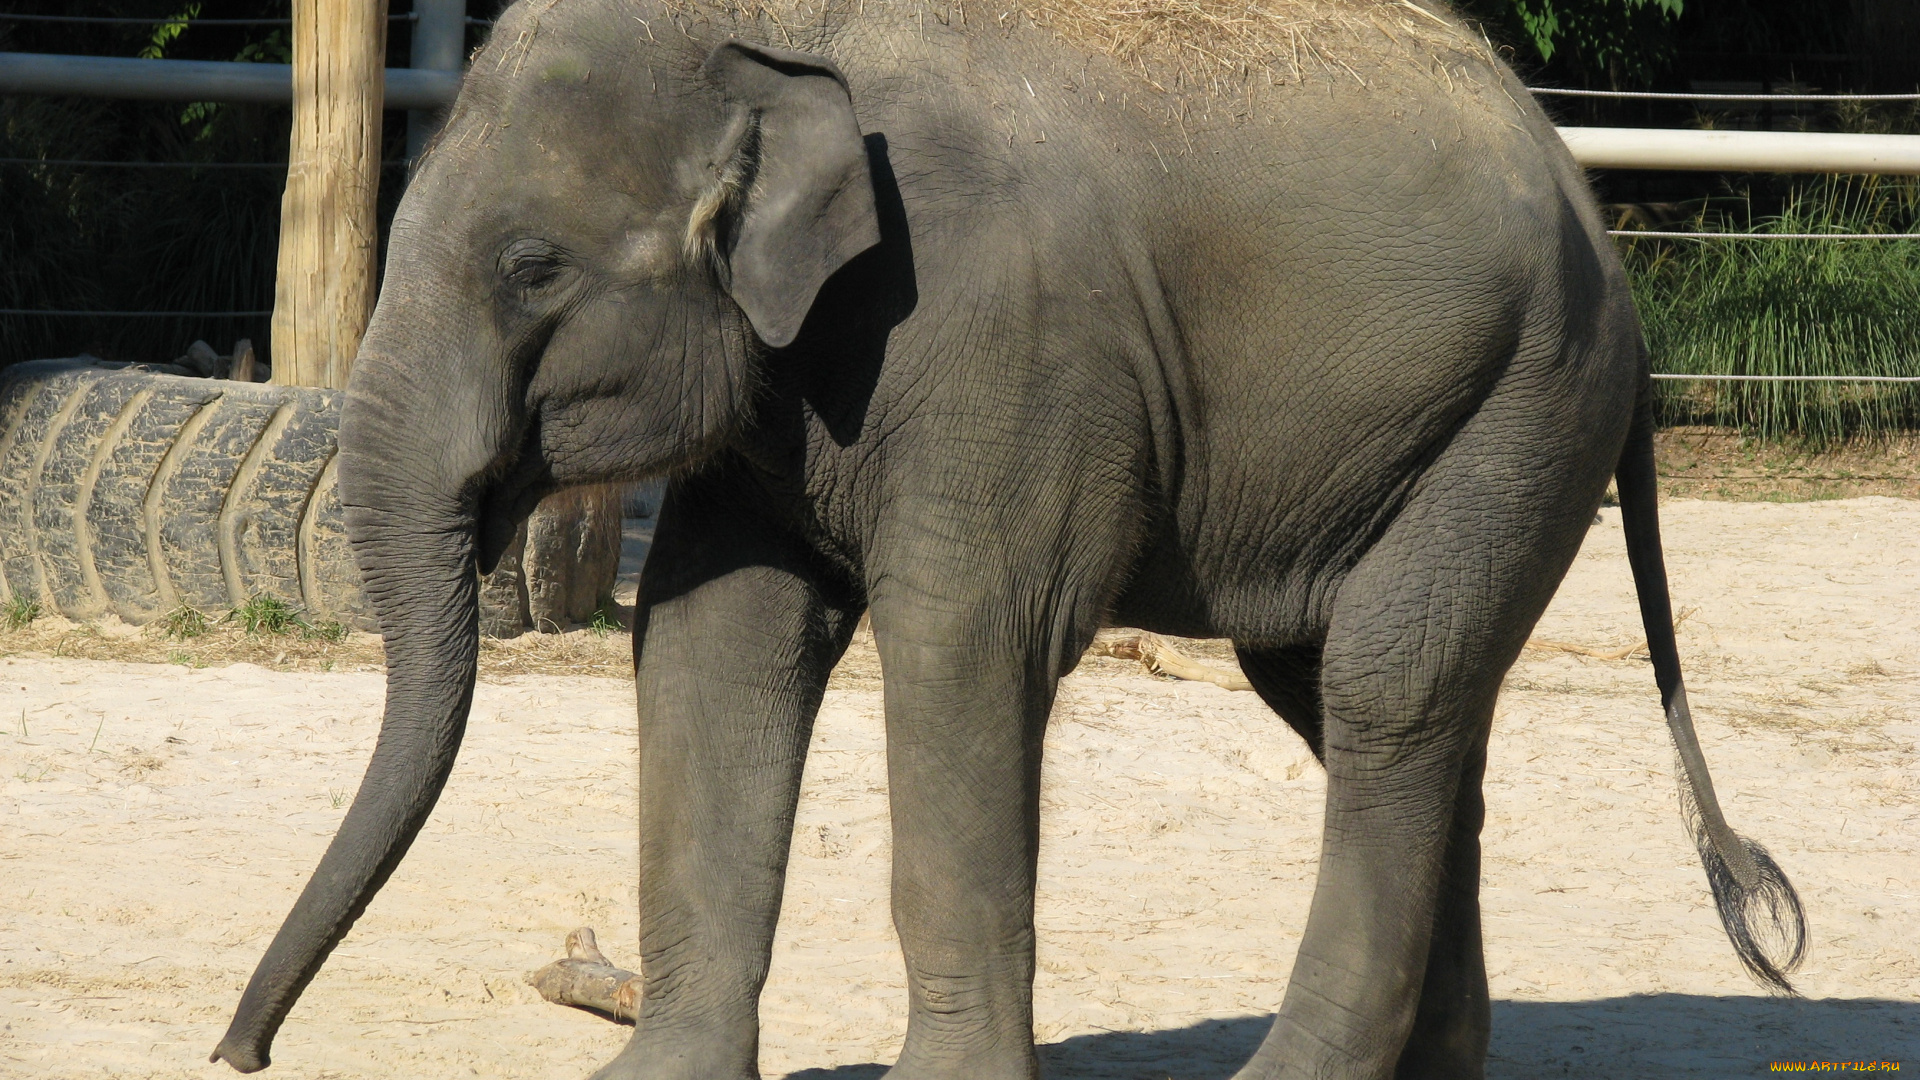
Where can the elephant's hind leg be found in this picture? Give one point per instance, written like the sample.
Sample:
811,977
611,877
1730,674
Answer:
1455,1017
1452,1023
1389,978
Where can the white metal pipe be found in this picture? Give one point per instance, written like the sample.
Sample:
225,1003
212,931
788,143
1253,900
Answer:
1742,151
195,80
422,88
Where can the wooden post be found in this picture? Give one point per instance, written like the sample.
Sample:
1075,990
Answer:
327,276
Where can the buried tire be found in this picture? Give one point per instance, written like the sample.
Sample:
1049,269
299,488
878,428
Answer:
132,493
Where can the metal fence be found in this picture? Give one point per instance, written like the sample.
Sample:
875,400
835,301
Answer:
434,80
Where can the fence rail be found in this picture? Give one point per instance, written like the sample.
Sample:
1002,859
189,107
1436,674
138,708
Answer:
1651,95
167,20
1743,151
196,80
425,88
61,313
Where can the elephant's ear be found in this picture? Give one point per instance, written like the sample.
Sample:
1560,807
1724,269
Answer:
792,199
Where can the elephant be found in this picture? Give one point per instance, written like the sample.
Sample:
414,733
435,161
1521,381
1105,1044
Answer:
1000,332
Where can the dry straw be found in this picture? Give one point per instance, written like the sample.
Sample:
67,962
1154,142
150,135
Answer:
1206,39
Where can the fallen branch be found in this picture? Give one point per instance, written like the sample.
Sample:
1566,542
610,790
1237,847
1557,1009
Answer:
1544,645
1161,658
587,980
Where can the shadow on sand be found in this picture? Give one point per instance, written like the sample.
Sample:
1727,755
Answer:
1665,1035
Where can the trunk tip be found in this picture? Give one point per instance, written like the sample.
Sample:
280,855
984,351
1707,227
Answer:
243,1058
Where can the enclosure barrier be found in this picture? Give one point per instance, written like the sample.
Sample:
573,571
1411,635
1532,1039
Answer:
197,80
1743,151
424,88
130,492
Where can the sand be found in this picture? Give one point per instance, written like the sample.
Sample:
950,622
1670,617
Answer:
160,819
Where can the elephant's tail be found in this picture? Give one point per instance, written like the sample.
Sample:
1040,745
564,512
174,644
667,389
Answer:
1758,906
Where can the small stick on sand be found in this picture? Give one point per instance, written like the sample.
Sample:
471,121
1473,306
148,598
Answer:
1543,645
1162,658
587,980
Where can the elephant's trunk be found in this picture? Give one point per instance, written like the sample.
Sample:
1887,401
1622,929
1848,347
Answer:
410,512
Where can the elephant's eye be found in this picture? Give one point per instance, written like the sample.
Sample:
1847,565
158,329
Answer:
531,264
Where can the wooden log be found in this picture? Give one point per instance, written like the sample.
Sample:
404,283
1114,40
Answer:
572,556
1160,657
242,367
587,980
326,279
1622,653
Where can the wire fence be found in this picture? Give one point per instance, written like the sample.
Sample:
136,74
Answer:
168,20
1628,233
187,20
1637,234
79,163
60,313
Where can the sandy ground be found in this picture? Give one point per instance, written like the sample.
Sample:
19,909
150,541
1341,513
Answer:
160,819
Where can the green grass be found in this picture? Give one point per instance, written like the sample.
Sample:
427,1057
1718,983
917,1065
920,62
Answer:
184,622
605,620
19,613
272,615
323,631
265,615
1790,307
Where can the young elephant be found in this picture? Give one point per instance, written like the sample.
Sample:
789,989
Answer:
951,316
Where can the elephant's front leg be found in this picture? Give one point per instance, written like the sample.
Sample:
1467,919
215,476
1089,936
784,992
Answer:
967,696
730,674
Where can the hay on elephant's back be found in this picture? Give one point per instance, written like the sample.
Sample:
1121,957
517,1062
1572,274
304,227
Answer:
1238,35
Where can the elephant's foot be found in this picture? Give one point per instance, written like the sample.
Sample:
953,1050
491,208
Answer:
986,1063
587,980
659,1055
950,1037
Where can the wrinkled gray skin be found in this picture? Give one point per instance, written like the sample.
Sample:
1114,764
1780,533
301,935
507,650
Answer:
964,344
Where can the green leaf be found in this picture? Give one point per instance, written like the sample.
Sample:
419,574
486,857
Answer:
164,33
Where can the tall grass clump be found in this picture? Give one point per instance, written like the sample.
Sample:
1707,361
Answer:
1789,307
19,613
265,615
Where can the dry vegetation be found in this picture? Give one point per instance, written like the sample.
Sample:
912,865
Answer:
604,654
1695,463
607,654
1717,463
1202,39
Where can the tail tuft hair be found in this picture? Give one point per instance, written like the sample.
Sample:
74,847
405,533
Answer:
1765,922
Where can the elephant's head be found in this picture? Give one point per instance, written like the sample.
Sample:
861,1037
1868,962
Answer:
583,281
